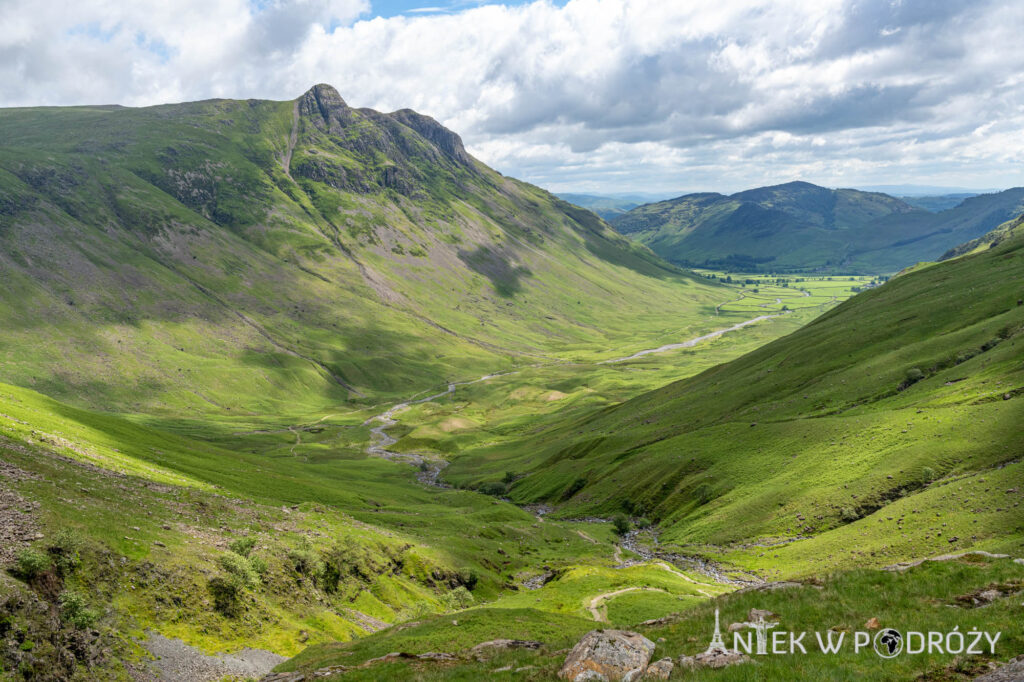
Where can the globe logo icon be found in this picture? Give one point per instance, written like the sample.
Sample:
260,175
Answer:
888,643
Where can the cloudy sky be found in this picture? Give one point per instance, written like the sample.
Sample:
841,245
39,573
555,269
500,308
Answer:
659,96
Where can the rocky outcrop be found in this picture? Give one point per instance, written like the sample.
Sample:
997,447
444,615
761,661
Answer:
323,106
484,649
442,138
1011,672
713,659
608,656
659,670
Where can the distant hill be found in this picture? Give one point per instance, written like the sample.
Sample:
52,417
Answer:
800,226
938,202
609,205
606,207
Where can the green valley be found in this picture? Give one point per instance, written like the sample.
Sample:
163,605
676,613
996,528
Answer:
298,386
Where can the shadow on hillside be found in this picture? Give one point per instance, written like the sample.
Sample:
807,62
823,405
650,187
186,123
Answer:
504,276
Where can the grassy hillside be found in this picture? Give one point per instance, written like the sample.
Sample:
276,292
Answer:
934,596
885,429
1008,230
248,257
799,226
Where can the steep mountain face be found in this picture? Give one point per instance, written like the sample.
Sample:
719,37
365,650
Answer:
248,256
799,226
886,428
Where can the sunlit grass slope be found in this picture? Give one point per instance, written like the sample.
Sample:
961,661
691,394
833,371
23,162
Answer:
888,428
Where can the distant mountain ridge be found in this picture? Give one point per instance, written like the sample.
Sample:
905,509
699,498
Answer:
801,226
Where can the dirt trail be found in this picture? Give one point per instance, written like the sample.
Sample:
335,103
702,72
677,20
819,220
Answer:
692,342
380,441
676,572
596,605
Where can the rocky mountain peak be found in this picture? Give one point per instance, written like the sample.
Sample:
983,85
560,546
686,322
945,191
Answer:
323,104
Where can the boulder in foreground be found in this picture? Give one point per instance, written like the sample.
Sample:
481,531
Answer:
608,656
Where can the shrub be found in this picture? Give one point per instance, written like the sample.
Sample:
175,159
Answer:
259,565
305,562
493,488
620,523
242,546
225,593
74,611
510,478
642,523
928,474
29,563
459,598
913,375
848,515
240,569
65,549
469,578
965,355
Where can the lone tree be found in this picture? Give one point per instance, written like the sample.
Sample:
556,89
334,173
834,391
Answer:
620,523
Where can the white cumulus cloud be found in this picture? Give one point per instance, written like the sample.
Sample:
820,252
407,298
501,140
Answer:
596,95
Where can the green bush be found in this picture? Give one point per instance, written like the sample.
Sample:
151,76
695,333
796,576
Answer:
914,375
642,523
469,578
305,562
29,563
848,515
240,569
65,550
965,355
493,488
242,546
620,523
73,610
259,565
459,598
225,593
928,474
